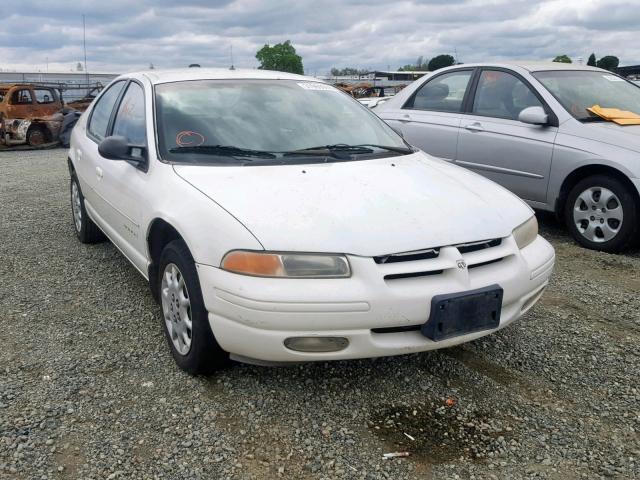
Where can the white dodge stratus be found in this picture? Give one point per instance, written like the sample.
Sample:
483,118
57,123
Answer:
278,220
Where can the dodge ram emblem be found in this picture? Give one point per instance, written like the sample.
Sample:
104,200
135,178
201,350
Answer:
462,264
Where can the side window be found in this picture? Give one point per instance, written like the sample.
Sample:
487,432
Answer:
44,95
130,121
21,97
444,93
500,94
101,112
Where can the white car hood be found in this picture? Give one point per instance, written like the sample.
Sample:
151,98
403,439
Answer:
367,207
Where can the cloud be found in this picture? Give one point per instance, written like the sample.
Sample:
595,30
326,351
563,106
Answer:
123,35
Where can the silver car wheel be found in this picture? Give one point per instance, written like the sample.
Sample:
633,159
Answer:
176,307
598,214
76,206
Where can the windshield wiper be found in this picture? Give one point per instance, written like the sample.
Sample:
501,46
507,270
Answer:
222,150
342,147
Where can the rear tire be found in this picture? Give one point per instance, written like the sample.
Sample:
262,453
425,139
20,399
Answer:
86,230
184,316
601,213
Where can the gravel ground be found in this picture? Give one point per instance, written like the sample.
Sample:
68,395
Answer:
88,388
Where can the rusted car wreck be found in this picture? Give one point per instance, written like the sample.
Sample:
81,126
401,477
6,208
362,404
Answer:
36,114
30,114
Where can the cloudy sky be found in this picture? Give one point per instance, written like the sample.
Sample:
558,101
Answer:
124,35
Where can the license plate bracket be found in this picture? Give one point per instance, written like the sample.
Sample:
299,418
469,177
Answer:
455,314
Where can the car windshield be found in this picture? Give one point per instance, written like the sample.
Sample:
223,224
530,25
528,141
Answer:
267,121
578,90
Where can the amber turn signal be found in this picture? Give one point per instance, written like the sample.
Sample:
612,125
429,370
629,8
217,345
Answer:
253,263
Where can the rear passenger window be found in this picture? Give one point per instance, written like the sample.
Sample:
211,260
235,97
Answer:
502,95
444,93
102,111
44,96
130,122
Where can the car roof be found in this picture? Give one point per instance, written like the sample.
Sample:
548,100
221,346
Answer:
534,66
197,73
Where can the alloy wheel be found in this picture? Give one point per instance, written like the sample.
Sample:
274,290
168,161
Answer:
76,206
598,214
176,307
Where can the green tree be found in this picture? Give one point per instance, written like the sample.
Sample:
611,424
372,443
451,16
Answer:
281,57
592,60
608,62
562,59
440,61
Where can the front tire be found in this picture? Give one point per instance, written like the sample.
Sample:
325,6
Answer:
184,316
86,230
601,213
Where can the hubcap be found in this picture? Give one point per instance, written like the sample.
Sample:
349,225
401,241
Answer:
598,214
176,307
76,207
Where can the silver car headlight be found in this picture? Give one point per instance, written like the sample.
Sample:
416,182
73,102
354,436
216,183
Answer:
526,233
286,265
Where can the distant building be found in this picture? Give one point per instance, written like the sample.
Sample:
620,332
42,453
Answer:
70,78
377,78
396,76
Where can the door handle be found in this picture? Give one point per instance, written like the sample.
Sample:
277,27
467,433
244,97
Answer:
474,127
405,118
99,173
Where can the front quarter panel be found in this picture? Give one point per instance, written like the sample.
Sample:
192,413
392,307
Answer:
208,230
572,152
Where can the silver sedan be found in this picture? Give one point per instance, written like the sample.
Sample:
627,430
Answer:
528,127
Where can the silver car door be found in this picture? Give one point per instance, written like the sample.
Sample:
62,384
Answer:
430,118
494,143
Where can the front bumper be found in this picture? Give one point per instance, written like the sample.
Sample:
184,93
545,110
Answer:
251,316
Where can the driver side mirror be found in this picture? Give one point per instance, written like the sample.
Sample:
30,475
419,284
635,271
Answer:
534,116
117,147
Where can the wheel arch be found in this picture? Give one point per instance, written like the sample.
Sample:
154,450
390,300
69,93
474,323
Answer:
159,234
40,126
585,171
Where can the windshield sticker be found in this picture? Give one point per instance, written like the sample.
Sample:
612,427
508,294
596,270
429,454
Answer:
317,86
613,78
187,138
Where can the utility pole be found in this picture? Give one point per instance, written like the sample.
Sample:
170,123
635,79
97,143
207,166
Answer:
84,46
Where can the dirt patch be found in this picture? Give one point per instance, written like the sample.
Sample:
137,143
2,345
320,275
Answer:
439,432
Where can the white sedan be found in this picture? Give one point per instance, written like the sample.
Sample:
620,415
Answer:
278,220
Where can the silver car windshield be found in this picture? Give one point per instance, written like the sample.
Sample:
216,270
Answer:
578,90
267,121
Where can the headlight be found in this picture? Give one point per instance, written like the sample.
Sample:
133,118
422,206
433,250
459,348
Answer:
286,265
526,233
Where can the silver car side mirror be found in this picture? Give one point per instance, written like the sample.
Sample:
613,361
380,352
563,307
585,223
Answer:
534,116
